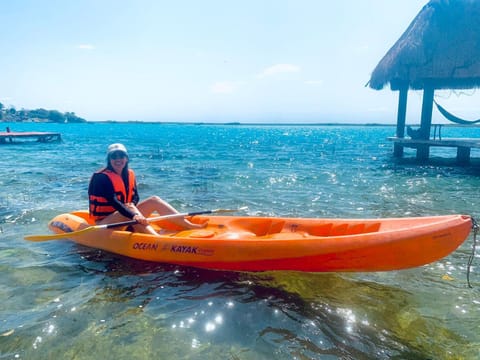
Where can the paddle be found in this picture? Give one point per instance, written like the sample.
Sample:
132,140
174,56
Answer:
123,223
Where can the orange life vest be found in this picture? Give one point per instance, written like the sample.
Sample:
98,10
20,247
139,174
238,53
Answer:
100,207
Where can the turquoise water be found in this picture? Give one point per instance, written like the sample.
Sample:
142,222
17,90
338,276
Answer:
61,300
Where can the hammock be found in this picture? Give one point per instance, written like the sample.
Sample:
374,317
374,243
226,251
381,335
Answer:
453,118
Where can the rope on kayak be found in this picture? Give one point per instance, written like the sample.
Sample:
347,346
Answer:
475,228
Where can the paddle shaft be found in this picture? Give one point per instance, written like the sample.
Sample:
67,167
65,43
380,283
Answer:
162,217
123,223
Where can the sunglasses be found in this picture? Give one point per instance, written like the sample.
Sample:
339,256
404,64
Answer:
118,155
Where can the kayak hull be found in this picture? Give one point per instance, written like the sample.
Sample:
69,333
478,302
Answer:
296,244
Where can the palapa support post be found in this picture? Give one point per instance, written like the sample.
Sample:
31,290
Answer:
426,121
463,155
401,116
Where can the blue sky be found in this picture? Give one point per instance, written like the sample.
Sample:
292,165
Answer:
208,60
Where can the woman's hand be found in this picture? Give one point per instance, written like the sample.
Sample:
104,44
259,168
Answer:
139,218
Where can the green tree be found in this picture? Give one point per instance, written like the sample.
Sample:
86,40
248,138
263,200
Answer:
22,114
72,118
56,116
39,113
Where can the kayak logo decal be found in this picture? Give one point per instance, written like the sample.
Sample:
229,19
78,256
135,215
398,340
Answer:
182,249
145,246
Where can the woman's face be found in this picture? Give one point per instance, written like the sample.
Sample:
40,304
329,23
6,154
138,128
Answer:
118,160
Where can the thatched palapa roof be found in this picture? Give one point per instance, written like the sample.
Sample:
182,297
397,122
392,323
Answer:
440,49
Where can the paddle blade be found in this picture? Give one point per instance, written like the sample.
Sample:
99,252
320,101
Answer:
38,238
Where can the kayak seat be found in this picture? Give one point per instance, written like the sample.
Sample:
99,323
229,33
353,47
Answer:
354,229
201,234
338,230
318,230
372,228
276,226
258,226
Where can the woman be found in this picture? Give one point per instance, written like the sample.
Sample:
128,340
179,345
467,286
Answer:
113,196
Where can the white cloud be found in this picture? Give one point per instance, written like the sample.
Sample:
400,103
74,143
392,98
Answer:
85,47
224,87
278,69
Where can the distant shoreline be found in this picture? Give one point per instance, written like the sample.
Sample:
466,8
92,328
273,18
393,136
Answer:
200,123
236,123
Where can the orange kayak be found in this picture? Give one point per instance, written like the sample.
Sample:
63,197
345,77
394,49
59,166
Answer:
266,243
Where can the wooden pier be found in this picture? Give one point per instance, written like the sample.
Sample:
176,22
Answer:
12,137
422,146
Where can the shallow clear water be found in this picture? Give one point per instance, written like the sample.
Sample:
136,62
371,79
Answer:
61,300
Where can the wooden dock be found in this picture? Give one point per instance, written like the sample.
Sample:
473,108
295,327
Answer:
463,146
12,137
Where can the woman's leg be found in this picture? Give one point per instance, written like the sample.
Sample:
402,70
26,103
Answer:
117,217
156,204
